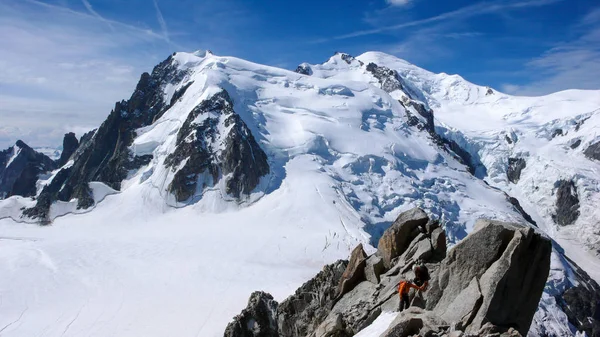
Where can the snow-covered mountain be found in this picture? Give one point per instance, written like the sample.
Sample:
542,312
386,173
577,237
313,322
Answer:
220,176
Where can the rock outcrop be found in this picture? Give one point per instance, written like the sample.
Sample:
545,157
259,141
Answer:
257,320
503,266
567,203
106,157
70,145
515,166
396,239
206,151
593,151
355,272
303,312
489,284
304,69
581,302
105,154
20,168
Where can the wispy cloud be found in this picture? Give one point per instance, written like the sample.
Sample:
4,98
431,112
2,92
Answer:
573,64
161,21
398,2
461,13
59,70
91,10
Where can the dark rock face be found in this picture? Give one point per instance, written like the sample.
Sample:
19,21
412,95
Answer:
581,303
301,313
593,151
257,320
489,91
304,69
106,157
355,272
575,144
70,145
520,209
395,240
20,168
348,58
557,132
567,203
236,153
515,166
388,78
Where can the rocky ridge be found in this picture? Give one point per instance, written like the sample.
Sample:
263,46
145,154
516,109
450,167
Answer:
489,284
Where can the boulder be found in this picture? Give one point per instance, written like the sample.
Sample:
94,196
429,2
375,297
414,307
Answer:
431,226
509,262
415,321
355,272
464,307
331,327
420,249
396,239
374,268
438,242
257,320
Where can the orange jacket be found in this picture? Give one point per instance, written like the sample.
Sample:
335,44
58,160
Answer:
405,286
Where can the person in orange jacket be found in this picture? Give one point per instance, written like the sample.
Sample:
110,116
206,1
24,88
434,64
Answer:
403,289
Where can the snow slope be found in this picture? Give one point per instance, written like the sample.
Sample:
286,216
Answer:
482,122
344,163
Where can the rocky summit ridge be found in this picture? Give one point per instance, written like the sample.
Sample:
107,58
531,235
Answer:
488,284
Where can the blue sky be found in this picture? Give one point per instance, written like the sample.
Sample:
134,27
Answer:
63,63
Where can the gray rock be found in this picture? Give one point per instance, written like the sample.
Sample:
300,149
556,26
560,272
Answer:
431,226
357,307
515,166
575,144
374,268
419,250
415,321
301,314
257,320
438,242
396,239
511,263
464,307
567,203
331,327
355,272
593,151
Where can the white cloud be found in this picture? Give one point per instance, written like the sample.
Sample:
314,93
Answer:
398,2
61,69
571,64
161,21
473,10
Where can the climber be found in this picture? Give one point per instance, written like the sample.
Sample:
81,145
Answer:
421,275
403,289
